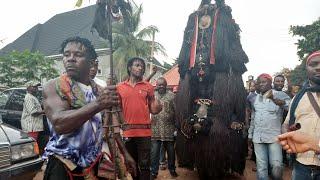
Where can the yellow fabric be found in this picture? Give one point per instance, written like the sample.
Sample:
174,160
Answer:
310,124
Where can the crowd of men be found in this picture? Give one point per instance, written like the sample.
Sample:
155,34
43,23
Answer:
75,105
271,112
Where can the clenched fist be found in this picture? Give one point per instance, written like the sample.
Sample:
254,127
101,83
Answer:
108,97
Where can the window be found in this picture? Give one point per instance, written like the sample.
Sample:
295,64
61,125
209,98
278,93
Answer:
4,96
16,100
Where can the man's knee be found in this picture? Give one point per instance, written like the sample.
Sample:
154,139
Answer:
277,170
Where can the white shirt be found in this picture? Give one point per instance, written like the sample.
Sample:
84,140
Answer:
100,82
31,123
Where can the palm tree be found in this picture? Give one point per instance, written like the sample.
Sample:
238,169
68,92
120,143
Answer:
129,41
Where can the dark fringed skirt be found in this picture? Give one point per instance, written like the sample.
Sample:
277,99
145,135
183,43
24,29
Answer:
224,150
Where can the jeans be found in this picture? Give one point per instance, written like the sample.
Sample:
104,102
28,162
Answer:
301,171
162,155
155,155
139,149
268,154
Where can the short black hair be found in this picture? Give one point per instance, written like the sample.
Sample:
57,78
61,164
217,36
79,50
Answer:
279,75
90,51
130,63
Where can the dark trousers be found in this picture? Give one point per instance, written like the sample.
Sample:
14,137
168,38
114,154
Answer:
139,148
155,155
301,172
56,170
162,155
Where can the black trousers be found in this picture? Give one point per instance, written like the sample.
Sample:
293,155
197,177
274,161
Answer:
139,148
56,171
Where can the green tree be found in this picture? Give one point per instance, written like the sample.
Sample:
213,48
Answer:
309,42
17,68
129,41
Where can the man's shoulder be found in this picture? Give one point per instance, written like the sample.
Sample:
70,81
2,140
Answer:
146,83
50,85
121,85
170,95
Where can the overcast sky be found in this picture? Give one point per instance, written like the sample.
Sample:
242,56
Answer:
264,23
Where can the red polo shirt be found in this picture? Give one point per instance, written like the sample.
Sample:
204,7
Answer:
134,100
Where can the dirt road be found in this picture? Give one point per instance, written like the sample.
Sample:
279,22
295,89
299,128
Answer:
185,174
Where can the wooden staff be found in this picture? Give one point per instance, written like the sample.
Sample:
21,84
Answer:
113,117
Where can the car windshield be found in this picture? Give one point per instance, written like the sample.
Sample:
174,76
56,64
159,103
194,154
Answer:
4,96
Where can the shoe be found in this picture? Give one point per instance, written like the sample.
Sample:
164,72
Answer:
173,174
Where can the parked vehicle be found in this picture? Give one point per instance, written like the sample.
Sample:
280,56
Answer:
11,105
19,154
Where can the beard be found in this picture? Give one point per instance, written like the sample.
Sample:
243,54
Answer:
315,80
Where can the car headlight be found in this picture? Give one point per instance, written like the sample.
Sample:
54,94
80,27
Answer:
23,151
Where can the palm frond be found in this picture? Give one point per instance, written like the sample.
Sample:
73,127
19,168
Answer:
147,32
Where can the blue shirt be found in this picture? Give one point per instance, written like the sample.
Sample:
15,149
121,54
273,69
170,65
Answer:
81,146
266,123
250,99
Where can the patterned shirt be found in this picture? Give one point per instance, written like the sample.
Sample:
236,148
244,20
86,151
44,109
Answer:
81,146
310,124
266,123
163,123
30,123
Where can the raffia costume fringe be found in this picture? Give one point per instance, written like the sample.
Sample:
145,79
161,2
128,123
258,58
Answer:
223,150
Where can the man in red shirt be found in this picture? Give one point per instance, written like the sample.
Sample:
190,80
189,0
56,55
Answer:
138,101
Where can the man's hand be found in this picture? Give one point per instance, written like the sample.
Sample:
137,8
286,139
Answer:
155,105
154,69
108,97
279,102
38,113
297,142
130,164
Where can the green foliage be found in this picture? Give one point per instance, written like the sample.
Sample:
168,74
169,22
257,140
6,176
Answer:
310,38
17,68
308,43
299,74
130,42
79,3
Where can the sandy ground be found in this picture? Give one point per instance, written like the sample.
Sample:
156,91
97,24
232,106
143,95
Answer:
185,174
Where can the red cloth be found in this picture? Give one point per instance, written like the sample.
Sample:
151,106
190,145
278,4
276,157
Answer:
265,75
312,55
193,50
34,135
213,38
135,106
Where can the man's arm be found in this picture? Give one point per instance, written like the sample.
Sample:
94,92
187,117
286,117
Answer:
129,161
154,71
251,128
65,120
155,105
